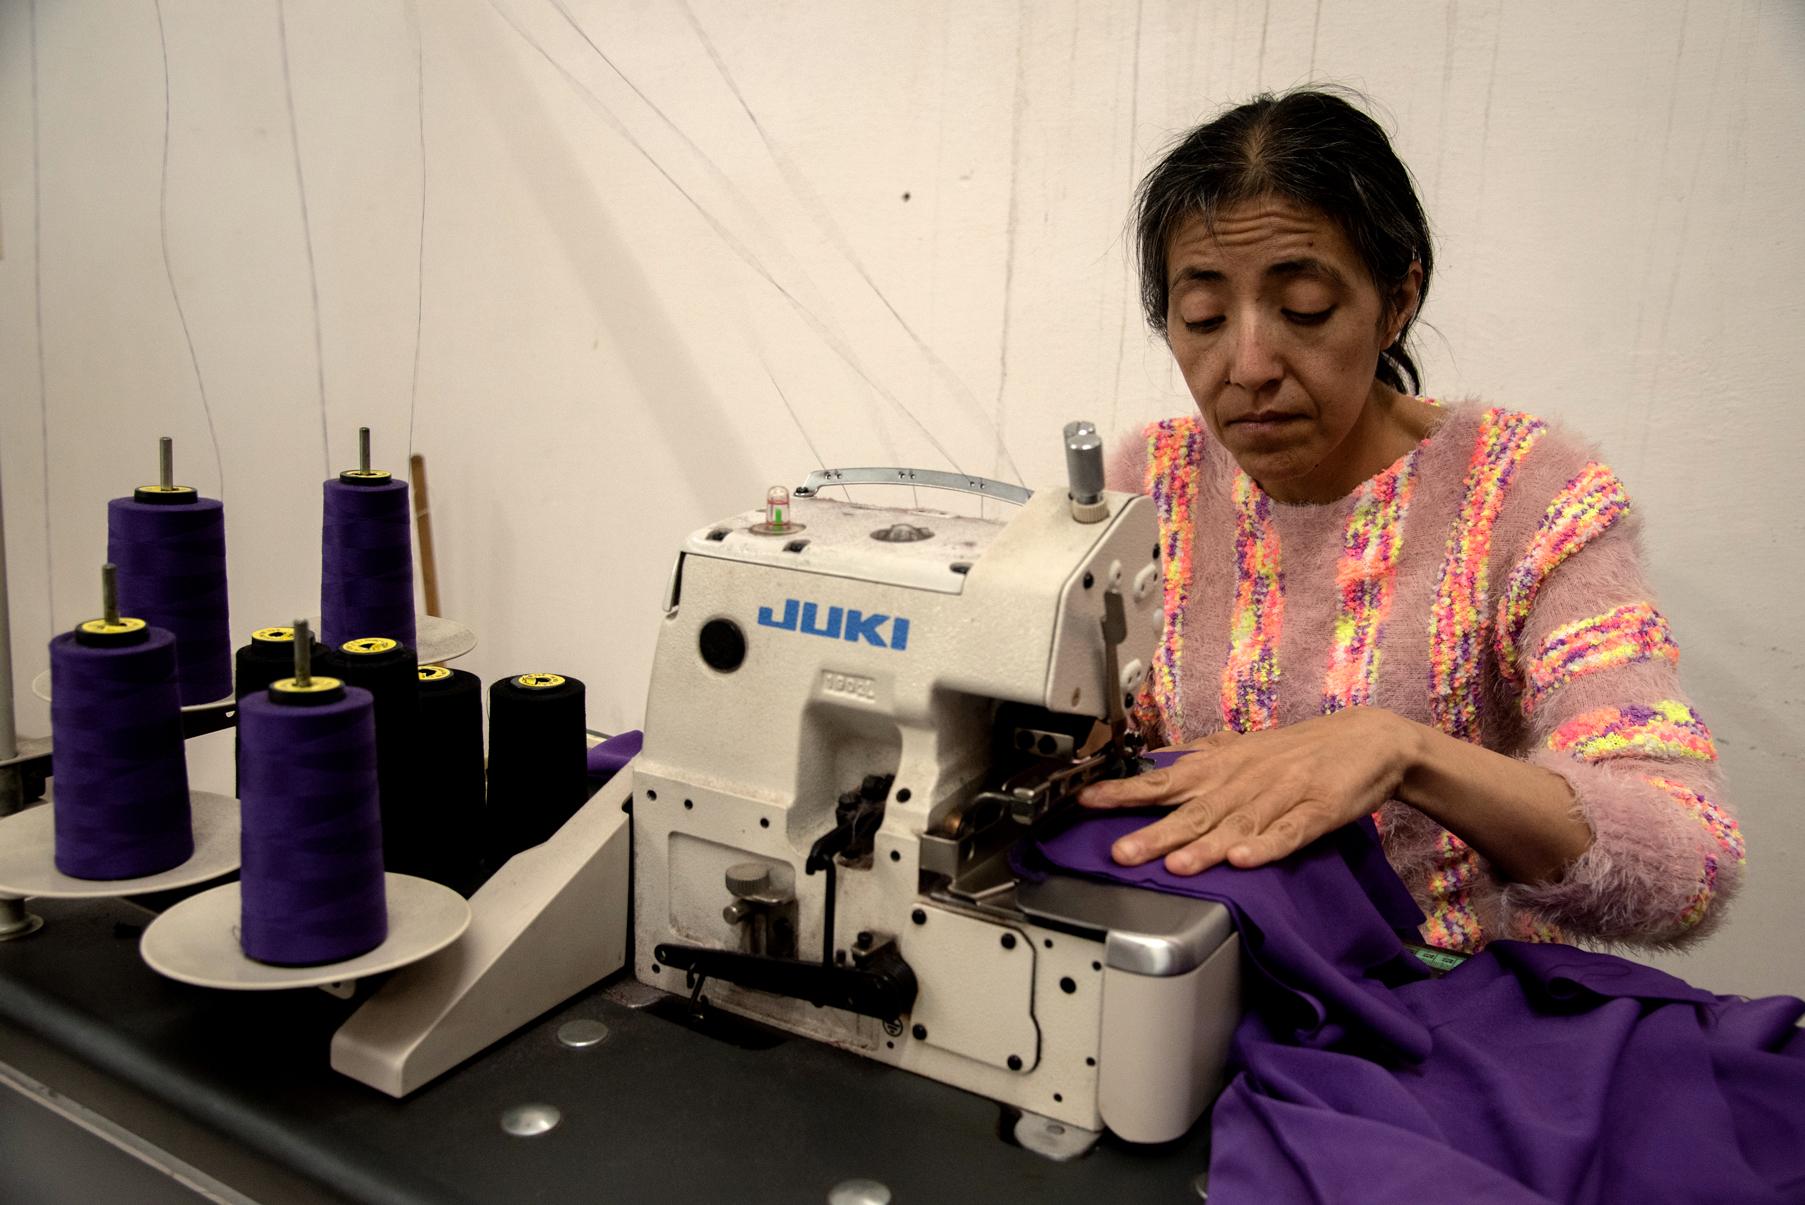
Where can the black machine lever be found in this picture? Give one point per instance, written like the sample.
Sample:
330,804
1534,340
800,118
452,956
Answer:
1115,631
857,816
880,985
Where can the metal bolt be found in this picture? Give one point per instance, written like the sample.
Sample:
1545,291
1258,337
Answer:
858,1192
527,1121
748,878
863,942
109,594
920,1032
901,533
582,1034
919,917
303,655
363,449
1009,941
1015,1062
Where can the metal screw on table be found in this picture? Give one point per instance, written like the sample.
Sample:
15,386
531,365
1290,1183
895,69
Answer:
582,1034
525,1121
858,1192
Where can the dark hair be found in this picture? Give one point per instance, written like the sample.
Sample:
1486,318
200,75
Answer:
1312,148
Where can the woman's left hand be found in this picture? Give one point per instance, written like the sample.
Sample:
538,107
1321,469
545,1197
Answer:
1252,799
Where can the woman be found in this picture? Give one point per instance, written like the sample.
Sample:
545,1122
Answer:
1378,604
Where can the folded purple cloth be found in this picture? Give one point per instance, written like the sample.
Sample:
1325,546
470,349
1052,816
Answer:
1532,1073
1322,937
1557,1075
613,753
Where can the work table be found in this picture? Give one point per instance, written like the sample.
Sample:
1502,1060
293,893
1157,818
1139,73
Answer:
233,1089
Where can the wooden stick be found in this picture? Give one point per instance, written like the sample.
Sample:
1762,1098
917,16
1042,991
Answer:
429,567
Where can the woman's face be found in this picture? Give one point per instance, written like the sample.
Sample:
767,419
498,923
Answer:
1277,328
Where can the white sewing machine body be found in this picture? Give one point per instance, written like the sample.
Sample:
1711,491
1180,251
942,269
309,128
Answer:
845,734
798,666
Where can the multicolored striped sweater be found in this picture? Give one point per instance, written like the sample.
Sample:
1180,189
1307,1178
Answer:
1488,584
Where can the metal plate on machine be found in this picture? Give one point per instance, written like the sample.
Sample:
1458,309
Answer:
960,961
837,539
1146,932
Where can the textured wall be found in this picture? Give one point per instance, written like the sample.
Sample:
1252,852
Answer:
616,267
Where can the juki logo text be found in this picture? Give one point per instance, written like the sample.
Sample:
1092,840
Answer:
839,623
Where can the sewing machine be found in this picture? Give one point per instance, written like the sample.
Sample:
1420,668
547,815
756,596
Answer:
855,711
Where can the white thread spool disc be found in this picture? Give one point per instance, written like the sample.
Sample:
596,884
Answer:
197,940
28,854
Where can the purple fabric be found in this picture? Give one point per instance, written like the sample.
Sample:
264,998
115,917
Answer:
1532,1073
1333,978
612,755
1555,1075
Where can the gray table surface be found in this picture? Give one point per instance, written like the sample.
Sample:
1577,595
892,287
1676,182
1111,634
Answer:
238,1085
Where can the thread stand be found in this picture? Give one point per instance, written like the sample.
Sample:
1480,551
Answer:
28,854
15,922
20,758
30,759
196,941
550,923
40,686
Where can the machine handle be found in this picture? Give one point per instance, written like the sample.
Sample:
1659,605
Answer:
933,478
879,984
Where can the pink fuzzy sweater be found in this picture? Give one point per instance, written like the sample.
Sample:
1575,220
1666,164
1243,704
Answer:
1487,584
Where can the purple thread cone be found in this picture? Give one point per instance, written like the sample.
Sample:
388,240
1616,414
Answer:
367,564
312,844
121,775
172,575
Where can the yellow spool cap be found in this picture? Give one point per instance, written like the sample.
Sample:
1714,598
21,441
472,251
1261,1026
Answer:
123,626
168,490
369,644
434,673
539,681
364,475
274,635
318,684
112,633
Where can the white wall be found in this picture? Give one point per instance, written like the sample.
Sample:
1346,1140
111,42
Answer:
615,267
